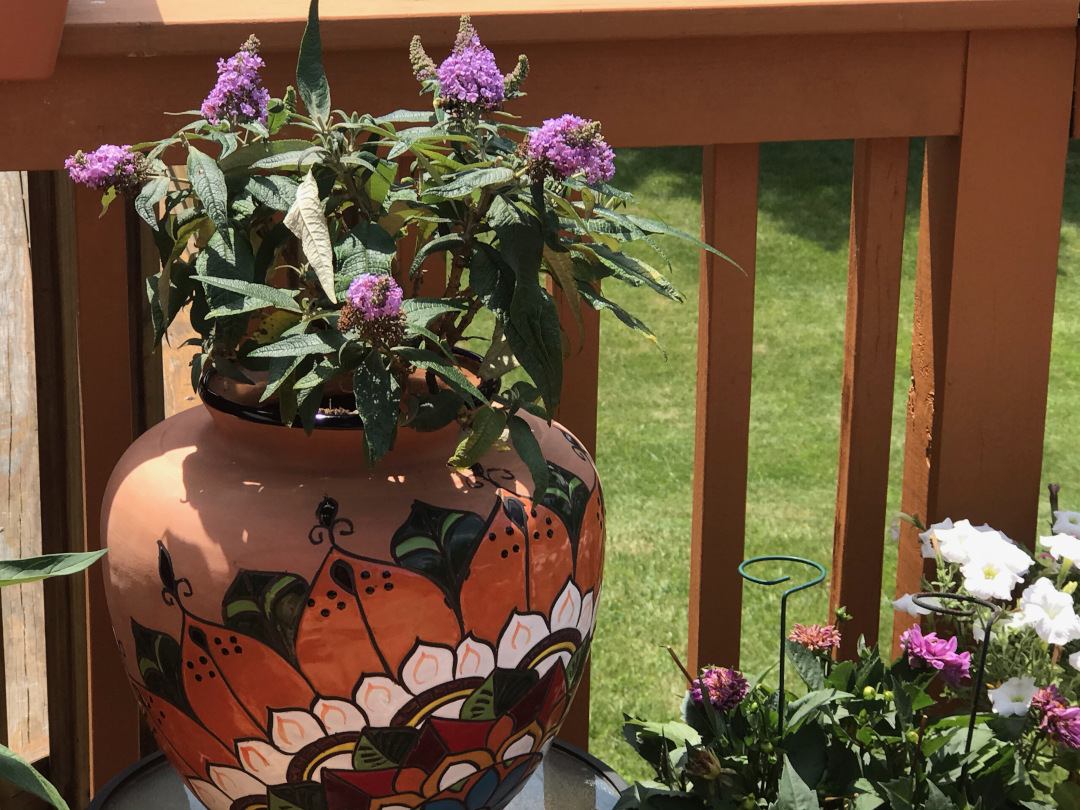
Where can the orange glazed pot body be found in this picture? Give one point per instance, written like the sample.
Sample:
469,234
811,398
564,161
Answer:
302,631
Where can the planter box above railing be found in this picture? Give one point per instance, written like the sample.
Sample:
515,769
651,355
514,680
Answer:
33,29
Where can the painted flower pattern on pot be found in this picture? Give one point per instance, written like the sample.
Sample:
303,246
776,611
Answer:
309,695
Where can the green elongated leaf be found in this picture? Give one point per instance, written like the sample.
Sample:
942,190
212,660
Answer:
491,279
150,195
17,771
247,156
325,342
439,243
499,358
562,268
274,191
634,271
256,296
462,184
407,116
310,76
804,706
366,248
487,426
598,302
209,183
794,793
422,311
535,337
436,411
280,372
655,226
378,394
450,374
295,159
806,664
528,448
17,572
306,220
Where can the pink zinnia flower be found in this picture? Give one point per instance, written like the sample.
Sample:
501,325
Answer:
815,637
939,654
725,688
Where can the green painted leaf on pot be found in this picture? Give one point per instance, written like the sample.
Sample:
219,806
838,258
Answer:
31,569
300,796
159,660
567,496
17,771
310,76
380,748
266,605
438,543
576,666
503,690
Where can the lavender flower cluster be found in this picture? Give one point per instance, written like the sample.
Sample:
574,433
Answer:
106,166
1060,720
725,687
238,96
566,146
935,653
375,296
470,76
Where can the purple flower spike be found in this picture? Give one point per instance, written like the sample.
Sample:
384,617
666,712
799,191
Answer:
939,654
106,166
1060,720
238,96
566,146
375,296
725,687
469,76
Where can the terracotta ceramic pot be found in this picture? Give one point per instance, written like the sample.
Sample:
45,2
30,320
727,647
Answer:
298,627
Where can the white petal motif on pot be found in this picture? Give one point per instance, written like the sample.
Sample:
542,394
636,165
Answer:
427,667
475,659
522,633
235,783
210,795
566,610
262,761
292,730
588,615
519,747
380,698
337,716
455,773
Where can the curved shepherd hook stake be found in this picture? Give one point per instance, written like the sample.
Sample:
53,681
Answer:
783,607
995,611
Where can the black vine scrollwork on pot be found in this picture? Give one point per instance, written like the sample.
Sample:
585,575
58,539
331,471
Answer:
170,591
329,525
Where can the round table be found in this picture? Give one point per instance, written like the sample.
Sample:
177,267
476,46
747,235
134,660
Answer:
568,779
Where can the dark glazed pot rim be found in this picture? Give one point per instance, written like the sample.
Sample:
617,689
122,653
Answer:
268,413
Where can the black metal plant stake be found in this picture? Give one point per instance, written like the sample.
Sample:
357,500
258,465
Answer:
783,606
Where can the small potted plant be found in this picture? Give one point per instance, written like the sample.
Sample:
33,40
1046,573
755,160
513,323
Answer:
368,570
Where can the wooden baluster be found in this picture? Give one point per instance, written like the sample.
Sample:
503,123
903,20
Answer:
878,199
722,427
986,292
578,413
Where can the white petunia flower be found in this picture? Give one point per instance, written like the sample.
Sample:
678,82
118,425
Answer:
958,544
925,538
1074,660
1013,697
907,605
1067,523
1051,612
1062,547
987,577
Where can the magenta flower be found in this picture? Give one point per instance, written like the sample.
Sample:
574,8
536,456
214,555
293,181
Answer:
106,166
566,146
469,76
725,688
238,96
815,637
939,654
375,296
1059,720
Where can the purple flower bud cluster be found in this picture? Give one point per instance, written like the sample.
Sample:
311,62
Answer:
375,296
566,146
470,76
238,96
939,654
1059,720
725,687
106,166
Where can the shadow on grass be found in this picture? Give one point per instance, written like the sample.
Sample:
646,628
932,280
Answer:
804,187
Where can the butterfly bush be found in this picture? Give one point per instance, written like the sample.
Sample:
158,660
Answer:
319,250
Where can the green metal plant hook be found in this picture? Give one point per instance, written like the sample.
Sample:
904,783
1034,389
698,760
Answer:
783,607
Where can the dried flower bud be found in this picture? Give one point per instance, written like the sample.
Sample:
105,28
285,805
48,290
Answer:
512,81
703,763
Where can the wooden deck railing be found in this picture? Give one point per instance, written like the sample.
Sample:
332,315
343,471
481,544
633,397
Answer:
989,83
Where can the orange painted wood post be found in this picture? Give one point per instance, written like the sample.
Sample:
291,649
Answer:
729,191
990,354
581,372
108,414
878,199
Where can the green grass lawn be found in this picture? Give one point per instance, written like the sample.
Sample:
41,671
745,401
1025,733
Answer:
645,444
